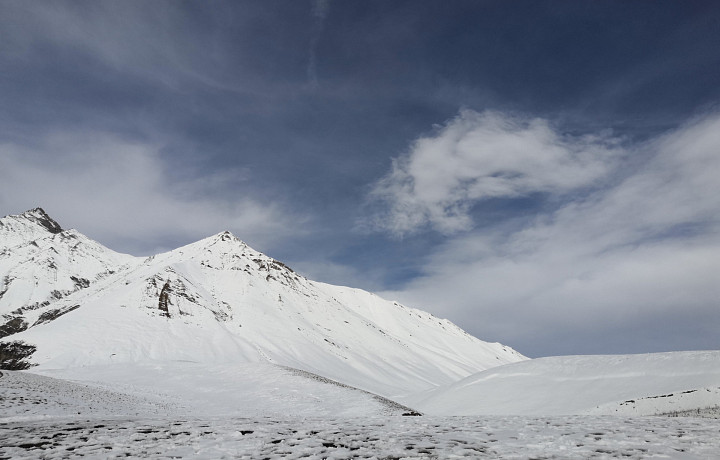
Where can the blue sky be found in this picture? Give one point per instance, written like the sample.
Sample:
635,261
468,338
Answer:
544,174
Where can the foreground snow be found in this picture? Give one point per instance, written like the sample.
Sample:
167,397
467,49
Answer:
188,410
182,390
376,437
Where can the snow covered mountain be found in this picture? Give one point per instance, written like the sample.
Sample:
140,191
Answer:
67,301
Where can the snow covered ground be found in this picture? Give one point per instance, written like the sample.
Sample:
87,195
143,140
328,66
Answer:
643,384
184,389
395,437
189,410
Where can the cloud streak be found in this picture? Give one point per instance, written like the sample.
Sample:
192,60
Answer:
630,266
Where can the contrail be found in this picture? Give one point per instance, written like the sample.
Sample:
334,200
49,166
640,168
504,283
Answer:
319,11
320,8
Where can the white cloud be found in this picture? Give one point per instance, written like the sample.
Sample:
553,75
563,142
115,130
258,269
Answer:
477,156
638,258
123,194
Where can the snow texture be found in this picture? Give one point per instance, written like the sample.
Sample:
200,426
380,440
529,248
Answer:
644,384
148,414
185,389
390,438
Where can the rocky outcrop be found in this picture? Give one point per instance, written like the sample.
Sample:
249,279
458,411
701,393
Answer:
13,355
39,216
13,326
164,299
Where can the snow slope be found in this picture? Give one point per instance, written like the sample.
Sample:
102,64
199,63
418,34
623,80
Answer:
216,301
181,389
643,384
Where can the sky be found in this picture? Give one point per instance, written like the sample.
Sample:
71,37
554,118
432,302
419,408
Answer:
543,174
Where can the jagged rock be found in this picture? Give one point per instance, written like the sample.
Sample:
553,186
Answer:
164,299
39,216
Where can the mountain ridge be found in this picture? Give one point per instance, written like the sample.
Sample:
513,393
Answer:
40,217
79,303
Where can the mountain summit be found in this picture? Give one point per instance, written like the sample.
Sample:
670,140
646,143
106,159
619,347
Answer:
68,301
39,216
25,227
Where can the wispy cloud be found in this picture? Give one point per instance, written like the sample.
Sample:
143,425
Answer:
478,156
128,196
164,44
631,266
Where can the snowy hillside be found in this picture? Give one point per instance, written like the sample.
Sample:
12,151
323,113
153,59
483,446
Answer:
67,302
178,389
645,384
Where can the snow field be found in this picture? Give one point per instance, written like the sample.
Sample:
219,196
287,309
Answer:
184,389
577,437
268,412
25,396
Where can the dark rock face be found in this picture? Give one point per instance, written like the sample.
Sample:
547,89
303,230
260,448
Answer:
39,216
80,283
164,299
15,325
13,355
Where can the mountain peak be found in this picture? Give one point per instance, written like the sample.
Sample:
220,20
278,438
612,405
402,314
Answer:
218,244
227,236
40,217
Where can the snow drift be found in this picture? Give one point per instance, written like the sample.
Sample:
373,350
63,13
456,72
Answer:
645,384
